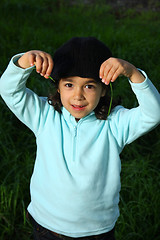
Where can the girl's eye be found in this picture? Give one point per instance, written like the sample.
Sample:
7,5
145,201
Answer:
69,85
90,86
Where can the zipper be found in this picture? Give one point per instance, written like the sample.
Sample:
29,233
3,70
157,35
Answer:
74,143
75,131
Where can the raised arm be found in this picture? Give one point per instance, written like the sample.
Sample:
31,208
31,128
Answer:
23,102
129,124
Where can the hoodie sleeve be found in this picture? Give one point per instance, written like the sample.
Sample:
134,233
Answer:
24,103
129,124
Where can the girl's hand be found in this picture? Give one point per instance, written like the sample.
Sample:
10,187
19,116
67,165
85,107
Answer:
114,67
42,60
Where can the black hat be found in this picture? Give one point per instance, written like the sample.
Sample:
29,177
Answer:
80,56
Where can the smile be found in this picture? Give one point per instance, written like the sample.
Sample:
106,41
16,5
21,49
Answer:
78,107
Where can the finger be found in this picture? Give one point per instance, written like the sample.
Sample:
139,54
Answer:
50,67
102,68
101,71
44,67
31,58
107,73
111,74
106,64
38,63
108,69
116,75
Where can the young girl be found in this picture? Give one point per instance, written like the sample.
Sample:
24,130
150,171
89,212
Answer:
76,179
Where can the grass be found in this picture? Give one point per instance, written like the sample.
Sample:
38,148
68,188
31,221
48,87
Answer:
45,25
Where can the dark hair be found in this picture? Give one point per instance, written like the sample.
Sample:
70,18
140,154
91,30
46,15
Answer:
81,56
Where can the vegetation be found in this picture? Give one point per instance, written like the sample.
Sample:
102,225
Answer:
132,35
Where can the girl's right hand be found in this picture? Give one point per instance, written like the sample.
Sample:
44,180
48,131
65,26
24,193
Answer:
42,60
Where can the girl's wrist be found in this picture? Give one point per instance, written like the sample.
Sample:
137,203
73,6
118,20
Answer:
137,77
23,62
17,64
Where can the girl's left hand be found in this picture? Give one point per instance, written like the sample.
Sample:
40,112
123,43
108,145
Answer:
114,67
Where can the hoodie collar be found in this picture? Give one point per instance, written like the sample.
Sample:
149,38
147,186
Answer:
70,119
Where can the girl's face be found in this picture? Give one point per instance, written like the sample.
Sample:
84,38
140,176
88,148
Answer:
80,96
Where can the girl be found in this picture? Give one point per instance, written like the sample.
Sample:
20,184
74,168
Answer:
76,179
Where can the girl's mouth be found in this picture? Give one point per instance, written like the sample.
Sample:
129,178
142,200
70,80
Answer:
78,107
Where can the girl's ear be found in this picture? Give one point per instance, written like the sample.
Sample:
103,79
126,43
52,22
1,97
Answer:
104,89
58,90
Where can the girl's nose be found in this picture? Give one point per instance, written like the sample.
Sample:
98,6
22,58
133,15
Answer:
78,94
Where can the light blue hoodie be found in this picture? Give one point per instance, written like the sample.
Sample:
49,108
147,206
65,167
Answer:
76,179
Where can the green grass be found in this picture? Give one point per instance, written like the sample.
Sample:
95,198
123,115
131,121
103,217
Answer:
45,25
